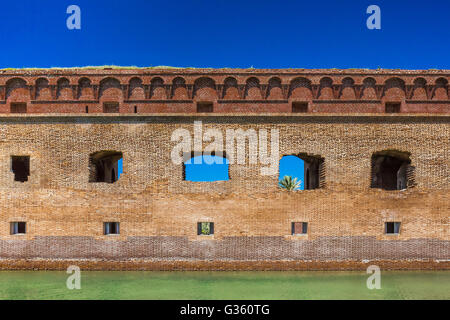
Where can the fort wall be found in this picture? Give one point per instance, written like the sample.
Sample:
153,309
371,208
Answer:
158,210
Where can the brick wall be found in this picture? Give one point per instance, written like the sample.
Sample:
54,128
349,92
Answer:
159,90
158,211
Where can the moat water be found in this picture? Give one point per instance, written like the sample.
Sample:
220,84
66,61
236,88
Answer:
224,285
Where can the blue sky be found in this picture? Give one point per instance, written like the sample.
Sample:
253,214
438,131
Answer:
294,167
207,168
226,33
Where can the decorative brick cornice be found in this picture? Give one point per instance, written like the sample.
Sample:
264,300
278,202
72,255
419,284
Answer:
277,87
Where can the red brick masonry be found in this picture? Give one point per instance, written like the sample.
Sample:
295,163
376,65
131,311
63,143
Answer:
230,90
57,118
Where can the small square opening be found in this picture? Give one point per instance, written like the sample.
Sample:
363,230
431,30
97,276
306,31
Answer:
392,107
111,107
299,107
299,228
18,227
20,166
204,107
392,227
205,228
111,228
18,107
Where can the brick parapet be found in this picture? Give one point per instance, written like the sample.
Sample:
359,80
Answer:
230,90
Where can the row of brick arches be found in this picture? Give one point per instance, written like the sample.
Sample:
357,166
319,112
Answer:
253,88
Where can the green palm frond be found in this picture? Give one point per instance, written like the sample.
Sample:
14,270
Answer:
289,184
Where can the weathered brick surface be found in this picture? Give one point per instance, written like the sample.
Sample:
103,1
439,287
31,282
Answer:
230,90
158,211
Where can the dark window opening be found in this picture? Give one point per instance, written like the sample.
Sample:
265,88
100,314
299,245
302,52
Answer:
87,109
392,107
205,228
20,166
135,109
204,107
104,166
111,107
299,228
18,227
392,227
314,171
299,107
111,228
392,170
18,107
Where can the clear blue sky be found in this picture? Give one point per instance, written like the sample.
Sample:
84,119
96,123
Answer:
294,167
207,168
226,33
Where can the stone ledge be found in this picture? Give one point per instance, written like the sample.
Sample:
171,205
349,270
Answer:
221,265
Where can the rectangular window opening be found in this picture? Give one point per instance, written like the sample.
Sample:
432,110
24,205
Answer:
204,107
20,166
111,107
111,228
392,107
18,107
18,227
299,107
392,227
205,228
299,228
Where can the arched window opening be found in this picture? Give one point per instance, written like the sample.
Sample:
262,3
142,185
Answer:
20,166
307,169
105,166
206,168
392,170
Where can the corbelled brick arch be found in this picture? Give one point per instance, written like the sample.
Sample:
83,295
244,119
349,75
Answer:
300,88
252,89
369,89
85,89
157,89
17,89
394,89
347,91
419,91
43,90
326,89
205,89
110,88
136,90
64,89
179,89
441,89
231,89
274,90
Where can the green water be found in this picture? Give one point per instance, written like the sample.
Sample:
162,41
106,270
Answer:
224,285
